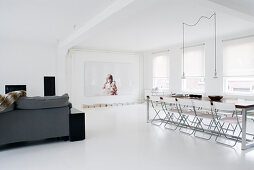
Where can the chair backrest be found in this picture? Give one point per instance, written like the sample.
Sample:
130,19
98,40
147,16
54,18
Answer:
224,106
145,97
155,98
169,100
185,102
204,104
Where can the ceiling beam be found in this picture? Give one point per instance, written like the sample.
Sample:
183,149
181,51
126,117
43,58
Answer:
78,35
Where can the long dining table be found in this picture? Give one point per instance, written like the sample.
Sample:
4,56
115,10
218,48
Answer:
244,106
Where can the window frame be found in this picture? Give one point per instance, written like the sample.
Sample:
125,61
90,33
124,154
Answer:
226,92
161,89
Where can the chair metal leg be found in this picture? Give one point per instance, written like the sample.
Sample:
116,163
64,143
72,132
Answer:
220,129
234,129
154,119
179,119
168,118
187,125
237,139
226,137
200,120
167,122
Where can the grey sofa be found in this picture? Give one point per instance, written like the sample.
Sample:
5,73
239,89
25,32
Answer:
35,118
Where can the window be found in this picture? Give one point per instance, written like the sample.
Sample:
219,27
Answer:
194,69
161,72
238,66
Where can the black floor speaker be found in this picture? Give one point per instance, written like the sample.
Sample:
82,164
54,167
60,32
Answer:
49,86
77,126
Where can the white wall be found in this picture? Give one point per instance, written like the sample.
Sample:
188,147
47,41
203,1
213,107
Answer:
26,62
213,86
75,76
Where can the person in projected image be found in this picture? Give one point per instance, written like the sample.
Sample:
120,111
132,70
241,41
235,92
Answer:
110,86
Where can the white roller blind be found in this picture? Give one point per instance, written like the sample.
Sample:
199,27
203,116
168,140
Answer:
161,66
194,58
238,57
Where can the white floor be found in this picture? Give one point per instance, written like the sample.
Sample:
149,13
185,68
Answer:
118,138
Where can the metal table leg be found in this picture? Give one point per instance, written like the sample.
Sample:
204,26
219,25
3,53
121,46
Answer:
244,122
250,144
147,110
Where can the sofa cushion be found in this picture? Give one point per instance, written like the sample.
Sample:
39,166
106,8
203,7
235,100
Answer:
42,102
8,109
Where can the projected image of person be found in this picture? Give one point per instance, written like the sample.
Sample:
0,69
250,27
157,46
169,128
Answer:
110,86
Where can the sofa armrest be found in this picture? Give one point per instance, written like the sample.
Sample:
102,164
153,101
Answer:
70,105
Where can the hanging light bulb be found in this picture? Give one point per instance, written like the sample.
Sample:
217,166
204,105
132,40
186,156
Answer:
183,76
215,75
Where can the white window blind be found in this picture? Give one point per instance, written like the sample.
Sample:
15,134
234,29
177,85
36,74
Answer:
161,66
238,57
161,72
194,58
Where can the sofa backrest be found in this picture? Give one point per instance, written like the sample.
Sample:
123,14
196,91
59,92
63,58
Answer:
42,102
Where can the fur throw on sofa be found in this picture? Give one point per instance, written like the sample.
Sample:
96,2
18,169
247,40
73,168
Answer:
8,99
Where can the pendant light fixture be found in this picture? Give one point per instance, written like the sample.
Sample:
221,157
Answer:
215,42
215,48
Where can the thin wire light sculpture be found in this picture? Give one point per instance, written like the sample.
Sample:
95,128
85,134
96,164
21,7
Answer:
215,41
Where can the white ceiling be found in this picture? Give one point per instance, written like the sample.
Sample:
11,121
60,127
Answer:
245,6
155,24
142,25
46,20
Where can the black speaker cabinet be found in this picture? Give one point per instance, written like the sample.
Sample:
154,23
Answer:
77,125
49,86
